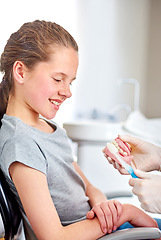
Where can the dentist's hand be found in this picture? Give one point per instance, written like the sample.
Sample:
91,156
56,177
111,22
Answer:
146,156
148,190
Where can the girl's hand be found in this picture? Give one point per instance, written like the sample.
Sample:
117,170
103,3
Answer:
136,217
108,213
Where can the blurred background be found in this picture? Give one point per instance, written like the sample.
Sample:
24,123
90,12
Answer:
116,38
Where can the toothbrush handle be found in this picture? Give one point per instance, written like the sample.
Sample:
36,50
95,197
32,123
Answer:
133,174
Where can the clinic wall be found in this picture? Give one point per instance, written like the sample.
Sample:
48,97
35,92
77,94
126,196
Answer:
153,97
113,44
118,39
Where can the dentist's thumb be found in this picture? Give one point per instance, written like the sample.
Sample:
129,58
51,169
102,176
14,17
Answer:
142,174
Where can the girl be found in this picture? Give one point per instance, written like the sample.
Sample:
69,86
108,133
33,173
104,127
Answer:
39,64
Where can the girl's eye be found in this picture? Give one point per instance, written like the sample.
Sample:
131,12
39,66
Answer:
58,80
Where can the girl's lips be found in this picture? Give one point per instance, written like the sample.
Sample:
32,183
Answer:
56,103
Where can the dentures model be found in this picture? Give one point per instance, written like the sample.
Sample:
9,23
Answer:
121,148
120,152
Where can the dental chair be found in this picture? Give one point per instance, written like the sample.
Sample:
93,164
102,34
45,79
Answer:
133,234
11,220
10,215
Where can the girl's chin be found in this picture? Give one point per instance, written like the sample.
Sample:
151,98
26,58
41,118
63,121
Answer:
49,116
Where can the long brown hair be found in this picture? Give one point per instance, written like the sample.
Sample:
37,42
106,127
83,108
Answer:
30,44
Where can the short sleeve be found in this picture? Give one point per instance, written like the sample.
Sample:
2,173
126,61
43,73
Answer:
24,150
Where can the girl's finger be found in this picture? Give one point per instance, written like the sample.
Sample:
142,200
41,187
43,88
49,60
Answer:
118,206
101,217
114,215
90,214
107,215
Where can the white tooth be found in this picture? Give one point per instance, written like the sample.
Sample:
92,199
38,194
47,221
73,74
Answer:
117,146
56,103
121,150
114,143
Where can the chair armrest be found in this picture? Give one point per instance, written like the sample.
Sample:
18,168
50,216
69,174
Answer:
133,234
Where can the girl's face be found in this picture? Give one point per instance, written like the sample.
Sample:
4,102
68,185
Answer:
47,86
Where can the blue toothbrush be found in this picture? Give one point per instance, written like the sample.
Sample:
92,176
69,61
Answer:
115,152
126,166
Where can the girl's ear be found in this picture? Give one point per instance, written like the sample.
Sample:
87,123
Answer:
18,71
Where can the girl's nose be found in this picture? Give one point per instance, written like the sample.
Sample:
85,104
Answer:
65,91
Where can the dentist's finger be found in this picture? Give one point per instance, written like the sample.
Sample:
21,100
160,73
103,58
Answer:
143,175
128,138
119,168
134,181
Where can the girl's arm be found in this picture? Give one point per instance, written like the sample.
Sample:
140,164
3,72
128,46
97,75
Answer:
33,191
107,211
124,213
136,217
94,194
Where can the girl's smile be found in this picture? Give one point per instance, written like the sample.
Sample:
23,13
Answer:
43,89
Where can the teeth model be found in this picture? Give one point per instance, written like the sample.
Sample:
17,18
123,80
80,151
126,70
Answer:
120,152
122,149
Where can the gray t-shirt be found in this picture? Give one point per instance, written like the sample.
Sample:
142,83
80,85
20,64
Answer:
51,154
